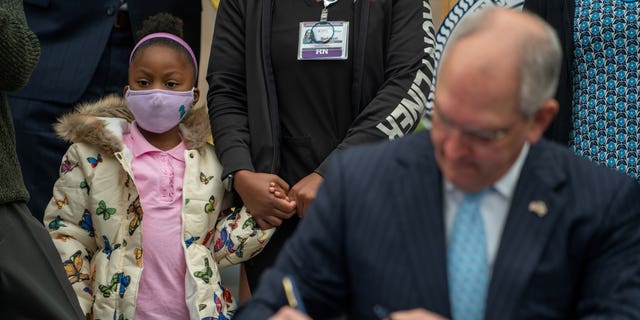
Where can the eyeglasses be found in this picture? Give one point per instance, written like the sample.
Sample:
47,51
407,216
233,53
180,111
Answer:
471,136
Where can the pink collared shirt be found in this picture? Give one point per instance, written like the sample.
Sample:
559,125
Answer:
159,177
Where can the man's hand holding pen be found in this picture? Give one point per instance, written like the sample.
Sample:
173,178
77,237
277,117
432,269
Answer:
415,314
297,311
289,313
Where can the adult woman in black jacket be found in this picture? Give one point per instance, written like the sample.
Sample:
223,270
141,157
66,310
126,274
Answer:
276,118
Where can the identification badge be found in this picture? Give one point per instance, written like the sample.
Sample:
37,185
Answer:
323,40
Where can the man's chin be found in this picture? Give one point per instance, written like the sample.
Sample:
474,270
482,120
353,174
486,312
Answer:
464,183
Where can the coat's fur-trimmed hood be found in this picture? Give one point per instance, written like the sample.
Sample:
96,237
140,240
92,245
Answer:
85,124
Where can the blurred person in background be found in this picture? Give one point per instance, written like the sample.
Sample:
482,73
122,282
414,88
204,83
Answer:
32,279
598,92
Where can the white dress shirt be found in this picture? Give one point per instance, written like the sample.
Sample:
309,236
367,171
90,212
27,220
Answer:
494,206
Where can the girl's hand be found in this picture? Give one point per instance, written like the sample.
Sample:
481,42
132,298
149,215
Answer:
265,207
278,191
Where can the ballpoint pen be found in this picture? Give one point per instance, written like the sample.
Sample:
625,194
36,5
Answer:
292,293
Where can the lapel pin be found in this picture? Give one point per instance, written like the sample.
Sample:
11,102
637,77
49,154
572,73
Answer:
538,207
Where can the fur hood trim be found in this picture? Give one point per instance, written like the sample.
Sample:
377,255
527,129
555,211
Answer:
92,123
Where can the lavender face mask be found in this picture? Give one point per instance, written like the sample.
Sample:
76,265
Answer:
159,110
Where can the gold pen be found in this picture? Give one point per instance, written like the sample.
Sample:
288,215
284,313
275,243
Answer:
293,296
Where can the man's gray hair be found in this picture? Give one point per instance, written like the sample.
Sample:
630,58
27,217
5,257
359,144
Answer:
540,56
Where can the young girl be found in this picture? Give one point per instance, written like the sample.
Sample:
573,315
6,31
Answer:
132,158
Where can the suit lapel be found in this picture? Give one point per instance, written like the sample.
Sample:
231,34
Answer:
419,195
534,209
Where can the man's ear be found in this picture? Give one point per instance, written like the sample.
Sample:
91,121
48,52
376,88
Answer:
124,90
541,120
196,95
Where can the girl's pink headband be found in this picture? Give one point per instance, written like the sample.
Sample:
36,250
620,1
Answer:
166,36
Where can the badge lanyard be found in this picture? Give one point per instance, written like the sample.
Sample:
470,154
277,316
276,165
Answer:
323,22
325,10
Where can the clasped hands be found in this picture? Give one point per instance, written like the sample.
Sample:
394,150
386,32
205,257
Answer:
270,200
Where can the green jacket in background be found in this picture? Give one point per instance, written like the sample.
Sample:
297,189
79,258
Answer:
19,55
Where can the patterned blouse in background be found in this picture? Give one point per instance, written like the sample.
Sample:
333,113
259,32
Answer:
605,78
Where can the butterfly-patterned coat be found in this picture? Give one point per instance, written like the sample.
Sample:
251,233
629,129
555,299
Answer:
95,217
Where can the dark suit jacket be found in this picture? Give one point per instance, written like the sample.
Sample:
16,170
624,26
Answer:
375,236
73,35
559,14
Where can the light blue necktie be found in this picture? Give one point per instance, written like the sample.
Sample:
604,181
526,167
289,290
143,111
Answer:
467,266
